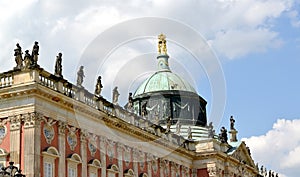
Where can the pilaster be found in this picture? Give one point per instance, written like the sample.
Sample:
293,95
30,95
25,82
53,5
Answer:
103,155
32,144
83,151
15,139
120,158
61,149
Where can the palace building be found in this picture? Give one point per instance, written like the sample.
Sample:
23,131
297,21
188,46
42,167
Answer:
50,127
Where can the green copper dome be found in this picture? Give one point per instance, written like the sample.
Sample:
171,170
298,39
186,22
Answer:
164,80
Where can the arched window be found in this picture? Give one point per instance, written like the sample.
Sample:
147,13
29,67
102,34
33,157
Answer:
112,170
73,161
93,166
49,156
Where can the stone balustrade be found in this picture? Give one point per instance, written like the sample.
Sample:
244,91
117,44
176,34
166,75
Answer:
6,79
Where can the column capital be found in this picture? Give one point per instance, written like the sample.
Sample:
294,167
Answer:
32,119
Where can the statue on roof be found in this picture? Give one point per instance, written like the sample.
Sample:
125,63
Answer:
223,135
189,133
144,109
232,121
178,127
27,60
18,56
99,86
169,123
130,102
35,53
58,65
80,76
211,131
162,44
115,95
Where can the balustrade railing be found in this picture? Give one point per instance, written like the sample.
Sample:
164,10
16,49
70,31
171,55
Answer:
6,79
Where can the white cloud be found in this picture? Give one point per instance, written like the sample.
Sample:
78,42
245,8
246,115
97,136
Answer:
279,148
234,28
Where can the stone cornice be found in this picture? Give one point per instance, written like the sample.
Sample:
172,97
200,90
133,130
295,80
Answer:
36,90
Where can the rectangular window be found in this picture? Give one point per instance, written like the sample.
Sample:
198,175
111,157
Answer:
71,172
48,169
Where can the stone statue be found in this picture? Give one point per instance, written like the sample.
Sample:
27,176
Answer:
189,133
18,56
35,53
169,123
80,76
178,127
223,135
211,131
27,59
144,109
116,95
232,121
273,175
58,65
276,175
270,173
130,102
262,170
99,86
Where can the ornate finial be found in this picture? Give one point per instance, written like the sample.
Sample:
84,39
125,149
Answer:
162,44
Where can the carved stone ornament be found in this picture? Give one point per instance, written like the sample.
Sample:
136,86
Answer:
48,133
72,138
127,155
48,129
32,119
3,130
92,145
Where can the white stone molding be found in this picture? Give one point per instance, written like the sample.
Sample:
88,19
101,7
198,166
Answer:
112,170
73,161
129,173
93,166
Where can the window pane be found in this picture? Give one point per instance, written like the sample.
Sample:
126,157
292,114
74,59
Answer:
48,169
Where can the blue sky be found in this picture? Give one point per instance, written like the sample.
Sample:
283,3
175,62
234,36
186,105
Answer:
257,43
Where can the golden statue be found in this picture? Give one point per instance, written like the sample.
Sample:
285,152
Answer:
162,44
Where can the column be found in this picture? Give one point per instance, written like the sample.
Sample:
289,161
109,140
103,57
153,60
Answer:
15,139
103,155
135,154
120,158
83,151
61,149
32,144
